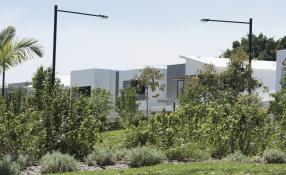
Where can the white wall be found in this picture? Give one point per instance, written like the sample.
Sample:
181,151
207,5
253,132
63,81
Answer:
96,78
267,77
82,78
194,67
280,56
153,102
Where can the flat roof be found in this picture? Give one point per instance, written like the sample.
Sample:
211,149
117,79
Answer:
223,62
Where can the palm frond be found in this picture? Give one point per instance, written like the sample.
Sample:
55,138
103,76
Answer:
25,49
6,35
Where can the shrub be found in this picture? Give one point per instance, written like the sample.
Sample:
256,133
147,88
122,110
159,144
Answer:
144,156
189,152
13,165
122,155
100,156
274,156
57,162
237,157
178,153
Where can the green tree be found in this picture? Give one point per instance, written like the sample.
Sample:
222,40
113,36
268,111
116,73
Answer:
15,51
127,106
264,48
238,76
150,78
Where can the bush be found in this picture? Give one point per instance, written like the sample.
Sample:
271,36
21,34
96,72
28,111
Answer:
237,157
122,155
189,152
274,156
57,162
13,165
144,156
101,157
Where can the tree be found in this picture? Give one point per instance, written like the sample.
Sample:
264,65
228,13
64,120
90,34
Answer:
238,75
127,106
149,79
15,51
264,48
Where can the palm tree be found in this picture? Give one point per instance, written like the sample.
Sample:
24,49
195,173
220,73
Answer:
15,51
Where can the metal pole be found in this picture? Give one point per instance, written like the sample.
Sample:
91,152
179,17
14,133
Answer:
250,54
54,46
250,40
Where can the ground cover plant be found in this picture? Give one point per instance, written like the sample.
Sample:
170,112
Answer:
56,163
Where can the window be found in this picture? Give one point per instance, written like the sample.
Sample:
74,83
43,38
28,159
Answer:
85,90
134,83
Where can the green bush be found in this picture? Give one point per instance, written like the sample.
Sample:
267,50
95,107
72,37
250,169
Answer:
237,157
274,156
144,156
13,165
189,152
57,162
100,156
122,155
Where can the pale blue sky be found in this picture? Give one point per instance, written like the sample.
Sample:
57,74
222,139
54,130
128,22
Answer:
138,33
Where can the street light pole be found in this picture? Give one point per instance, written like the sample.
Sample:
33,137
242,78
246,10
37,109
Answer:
54,45
56,10
249,40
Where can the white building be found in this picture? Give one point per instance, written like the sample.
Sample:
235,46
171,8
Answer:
268,72
114,80
280,67
264,71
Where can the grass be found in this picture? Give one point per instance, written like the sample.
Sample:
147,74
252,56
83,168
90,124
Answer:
215,168
112,139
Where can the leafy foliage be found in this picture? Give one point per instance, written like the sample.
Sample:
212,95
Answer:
264,48
149,78
15,51
127,107
47,119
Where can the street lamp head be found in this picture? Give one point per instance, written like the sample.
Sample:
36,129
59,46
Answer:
103,16
205,20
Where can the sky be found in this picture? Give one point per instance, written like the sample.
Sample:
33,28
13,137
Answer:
137,33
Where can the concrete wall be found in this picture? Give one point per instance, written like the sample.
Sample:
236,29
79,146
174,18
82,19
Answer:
173,72
280,57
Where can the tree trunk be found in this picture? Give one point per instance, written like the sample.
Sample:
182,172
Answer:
3,81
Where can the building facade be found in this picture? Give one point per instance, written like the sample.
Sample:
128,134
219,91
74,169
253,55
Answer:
175,77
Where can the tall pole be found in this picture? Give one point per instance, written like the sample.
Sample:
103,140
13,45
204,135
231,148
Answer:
54,46
250,54
55,36
250,40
